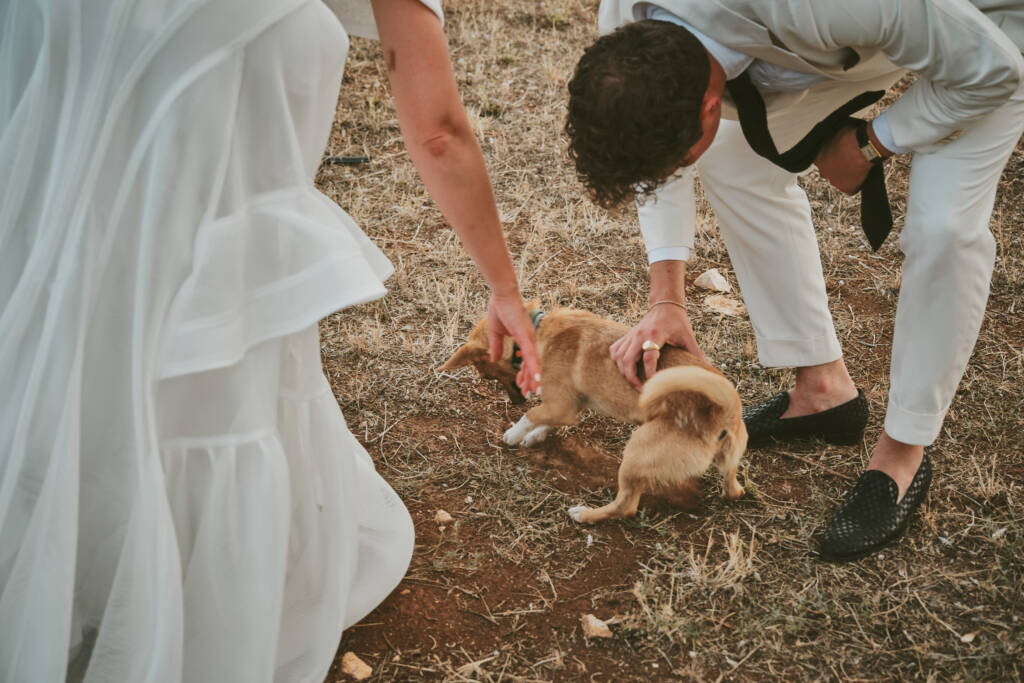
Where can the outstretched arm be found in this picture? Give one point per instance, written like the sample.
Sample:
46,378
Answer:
446,154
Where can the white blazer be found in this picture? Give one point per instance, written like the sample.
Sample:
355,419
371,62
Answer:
967,55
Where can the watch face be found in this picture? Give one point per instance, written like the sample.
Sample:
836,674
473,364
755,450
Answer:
866,148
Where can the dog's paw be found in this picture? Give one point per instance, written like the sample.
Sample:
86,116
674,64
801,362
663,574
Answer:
576,511
535,436
513,436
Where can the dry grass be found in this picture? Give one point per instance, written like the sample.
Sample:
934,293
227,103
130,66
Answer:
728,590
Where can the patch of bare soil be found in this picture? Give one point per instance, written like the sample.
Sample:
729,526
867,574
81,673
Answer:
703,589
502,608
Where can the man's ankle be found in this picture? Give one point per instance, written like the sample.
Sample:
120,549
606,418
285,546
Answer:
897,459
820,387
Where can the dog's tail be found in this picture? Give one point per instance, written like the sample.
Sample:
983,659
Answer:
696,400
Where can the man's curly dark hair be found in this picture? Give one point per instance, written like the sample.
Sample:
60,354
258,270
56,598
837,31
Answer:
634,109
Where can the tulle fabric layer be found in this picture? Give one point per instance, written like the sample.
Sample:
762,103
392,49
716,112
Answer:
269,489
158,226
283,260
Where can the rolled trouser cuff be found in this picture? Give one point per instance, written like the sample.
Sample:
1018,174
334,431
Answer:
911,428
798,353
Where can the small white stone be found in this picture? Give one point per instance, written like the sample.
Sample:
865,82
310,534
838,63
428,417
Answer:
590,540
713,280
594,627
355,667
442,517
724,305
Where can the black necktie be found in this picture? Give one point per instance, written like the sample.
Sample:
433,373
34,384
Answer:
875,216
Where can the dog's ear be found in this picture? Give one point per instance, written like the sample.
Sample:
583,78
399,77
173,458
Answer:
465,355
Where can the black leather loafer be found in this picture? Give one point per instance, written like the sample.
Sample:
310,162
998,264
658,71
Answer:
841,425
871,517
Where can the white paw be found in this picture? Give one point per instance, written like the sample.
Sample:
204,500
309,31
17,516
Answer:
535,436
576,510
513,435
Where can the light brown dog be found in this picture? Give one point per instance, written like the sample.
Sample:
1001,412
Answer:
690,415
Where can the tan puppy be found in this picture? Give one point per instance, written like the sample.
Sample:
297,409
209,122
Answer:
690,414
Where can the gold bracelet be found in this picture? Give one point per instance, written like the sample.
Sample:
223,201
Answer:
668,301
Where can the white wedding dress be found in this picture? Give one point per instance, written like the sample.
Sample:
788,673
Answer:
180,498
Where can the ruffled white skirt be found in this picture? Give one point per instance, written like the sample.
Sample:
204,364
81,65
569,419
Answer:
180,498
286,532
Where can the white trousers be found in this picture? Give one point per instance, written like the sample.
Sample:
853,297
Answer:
765,220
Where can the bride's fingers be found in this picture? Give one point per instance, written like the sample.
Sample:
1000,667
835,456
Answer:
497,344
528,377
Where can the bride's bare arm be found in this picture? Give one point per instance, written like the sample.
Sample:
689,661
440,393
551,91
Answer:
446,154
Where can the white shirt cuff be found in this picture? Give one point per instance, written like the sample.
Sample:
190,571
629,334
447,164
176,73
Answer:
668,254
880,126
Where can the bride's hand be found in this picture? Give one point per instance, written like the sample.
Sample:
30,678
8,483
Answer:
444,148
507,316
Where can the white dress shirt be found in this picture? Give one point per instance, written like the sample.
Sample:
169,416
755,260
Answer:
767,77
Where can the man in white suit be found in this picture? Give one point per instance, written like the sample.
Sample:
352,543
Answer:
650,101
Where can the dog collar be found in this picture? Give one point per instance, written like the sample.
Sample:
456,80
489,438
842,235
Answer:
517,354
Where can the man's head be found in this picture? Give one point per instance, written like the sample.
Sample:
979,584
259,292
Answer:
642,103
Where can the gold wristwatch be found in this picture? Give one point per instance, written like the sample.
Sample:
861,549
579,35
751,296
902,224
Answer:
867,148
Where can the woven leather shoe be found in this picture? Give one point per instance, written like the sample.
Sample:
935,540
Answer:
842,425
871,517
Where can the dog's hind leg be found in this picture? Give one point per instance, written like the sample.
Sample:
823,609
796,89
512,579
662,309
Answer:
731,487
728,462
625,505
632,485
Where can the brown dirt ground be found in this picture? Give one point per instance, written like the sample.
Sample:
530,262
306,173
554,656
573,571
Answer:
703,591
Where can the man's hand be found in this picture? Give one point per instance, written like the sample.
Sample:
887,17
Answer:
841,162
663,324
507,317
